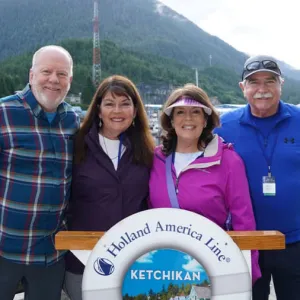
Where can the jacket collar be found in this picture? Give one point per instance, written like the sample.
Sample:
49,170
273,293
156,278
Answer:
247,117
212,154
93,144
93,136
30,101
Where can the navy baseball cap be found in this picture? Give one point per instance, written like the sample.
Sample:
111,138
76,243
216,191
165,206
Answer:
260,63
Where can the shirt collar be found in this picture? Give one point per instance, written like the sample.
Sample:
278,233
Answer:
247,116
29,100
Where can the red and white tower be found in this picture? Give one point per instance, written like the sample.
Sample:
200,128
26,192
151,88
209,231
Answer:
96,47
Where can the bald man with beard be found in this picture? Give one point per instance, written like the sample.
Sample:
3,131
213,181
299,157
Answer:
36,150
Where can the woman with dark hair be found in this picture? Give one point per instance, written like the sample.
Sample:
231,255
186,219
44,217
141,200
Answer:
195,170
113,156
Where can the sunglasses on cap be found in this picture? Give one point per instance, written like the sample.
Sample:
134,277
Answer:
261,65
267,64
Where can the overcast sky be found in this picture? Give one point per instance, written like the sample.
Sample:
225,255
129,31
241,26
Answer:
255,27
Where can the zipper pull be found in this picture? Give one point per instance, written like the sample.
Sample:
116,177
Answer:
176,185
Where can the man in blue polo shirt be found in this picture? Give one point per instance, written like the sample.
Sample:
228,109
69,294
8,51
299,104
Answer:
266,133
36,150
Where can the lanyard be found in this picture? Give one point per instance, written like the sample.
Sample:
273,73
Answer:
268,159
120,147
172,193
170,182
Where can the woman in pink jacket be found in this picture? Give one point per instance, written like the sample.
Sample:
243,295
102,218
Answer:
194,170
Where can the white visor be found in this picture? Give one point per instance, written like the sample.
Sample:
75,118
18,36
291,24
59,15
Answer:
187,102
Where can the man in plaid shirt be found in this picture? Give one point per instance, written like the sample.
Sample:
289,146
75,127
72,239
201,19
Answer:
36,145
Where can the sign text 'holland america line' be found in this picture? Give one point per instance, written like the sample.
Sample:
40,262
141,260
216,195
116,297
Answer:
116,247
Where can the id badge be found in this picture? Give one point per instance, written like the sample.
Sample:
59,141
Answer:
269,186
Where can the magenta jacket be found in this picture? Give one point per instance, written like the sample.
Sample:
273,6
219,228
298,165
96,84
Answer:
211,186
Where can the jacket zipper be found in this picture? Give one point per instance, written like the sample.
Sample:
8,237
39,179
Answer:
176,184
177,178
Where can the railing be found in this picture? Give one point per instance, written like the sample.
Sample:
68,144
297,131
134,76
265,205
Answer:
246,240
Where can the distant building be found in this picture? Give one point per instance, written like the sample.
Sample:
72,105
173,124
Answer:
155,93
74,99
179,298
224,108
199,293
214,101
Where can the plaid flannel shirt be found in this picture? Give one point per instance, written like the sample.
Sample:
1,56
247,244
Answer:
35,177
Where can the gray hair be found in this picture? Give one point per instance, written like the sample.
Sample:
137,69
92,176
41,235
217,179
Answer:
54,47
280,78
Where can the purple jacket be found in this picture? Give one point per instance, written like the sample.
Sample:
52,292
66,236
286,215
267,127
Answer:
212,186
102,196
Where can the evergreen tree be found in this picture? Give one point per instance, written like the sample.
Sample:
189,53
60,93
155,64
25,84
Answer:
88,91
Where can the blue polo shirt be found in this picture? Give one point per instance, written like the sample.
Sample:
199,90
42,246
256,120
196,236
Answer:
282,151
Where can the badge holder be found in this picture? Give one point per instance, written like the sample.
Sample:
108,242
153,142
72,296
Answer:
269,185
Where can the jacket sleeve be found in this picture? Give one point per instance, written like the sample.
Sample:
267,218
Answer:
239,204
237,196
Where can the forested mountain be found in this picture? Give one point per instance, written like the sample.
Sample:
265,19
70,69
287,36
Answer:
143,69
140,25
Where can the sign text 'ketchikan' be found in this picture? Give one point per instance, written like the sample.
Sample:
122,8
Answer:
164,275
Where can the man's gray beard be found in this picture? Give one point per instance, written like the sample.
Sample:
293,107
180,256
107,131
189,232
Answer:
44,101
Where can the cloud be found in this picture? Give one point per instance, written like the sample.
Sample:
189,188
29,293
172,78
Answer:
146,258
192,265
255,27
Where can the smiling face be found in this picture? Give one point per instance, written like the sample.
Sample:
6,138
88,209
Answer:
50,78
188,123
263,91
117,114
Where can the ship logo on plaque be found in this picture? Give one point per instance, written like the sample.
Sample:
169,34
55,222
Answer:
104,266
